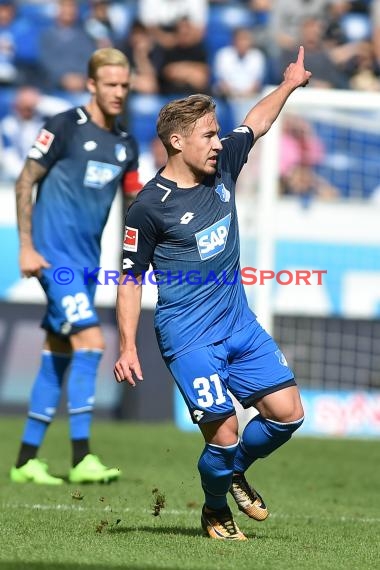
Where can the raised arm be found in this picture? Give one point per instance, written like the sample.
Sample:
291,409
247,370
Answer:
262,116
30,261
128,309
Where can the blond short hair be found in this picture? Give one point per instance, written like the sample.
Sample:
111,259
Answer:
181,115
106,56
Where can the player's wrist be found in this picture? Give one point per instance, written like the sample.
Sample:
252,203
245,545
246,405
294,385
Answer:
129,348
26,245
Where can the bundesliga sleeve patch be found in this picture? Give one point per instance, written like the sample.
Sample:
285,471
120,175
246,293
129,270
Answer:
131,238
44,141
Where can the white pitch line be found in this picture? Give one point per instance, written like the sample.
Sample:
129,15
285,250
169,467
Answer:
176,512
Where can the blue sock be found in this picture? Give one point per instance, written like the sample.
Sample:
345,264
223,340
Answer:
215,466
81,391
45,396
260,437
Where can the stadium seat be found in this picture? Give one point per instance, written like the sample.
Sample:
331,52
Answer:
40,14
34,18
142,116
345,164
7,95
221,22
225,116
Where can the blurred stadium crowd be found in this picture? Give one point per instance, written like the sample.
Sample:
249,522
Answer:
231,49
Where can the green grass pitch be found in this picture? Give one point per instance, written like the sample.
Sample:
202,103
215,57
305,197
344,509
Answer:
323,495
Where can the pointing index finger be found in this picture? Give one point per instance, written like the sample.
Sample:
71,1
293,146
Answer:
301,55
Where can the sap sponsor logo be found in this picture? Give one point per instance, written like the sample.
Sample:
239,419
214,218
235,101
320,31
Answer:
212,240
127,263
131,239
99,174
223,193
120,152
44,141
90,145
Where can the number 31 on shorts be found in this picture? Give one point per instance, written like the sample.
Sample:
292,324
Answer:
205,388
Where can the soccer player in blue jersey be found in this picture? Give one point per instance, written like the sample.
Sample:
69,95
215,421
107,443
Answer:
184,224
78,161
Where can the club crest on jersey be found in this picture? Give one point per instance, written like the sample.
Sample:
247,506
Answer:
120,152
223,193
281,358
99,174
212,240
131,239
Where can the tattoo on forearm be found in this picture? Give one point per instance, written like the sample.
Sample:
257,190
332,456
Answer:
30,174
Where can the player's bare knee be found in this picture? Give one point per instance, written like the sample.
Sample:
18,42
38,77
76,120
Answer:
99,346
223,432
57,344
282,406
292,411
88,339
297,409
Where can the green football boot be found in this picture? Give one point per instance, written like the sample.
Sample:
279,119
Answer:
34,471
92,470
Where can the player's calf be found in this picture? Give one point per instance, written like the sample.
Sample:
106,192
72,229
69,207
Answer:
260,437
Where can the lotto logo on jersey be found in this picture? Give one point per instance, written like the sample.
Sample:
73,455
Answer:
131,239
44,140
212,240
244,130
99,174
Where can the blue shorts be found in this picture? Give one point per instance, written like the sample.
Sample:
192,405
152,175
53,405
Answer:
70,301
248,363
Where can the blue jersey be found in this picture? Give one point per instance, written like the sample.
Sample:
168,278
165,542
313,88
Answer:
191,238
85,165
